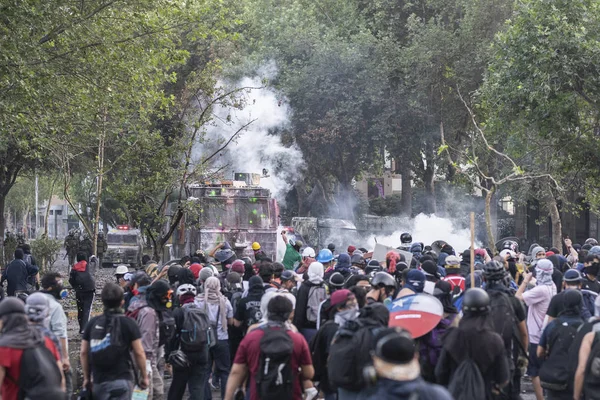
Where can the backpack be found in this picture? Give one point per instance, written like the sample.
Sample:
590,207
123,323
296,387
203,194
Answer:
503,317
589,298
316,295
166,327
275,378
253,314
467,382
194,329
554,373
166,323
235,298
317,352
39,376
591,382
351,349
106,340
430,348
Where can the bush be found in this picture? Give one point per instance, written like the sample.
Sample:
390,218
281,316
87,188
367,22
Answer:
46,252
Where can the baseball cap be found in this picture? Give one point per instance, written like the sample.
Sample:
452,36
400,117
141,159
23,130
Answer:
287,275
340,297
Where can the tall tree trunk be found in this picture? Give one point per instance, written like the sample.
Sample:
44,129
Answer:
552,206
488,218
99,186
428,179
3,262
406,195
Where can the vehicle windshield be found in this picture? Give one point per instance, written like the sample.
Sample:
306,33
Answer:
121,239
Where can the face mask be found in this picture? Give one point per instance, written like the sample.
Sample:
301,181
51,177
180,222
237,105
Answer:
346,315
64,293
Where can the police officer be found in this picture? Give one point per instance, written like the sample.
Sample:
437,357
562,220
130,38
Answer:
86,246
72,246
101,247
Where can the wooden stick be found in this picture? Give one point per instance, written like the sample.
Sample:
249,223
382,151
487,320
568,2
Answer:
472,250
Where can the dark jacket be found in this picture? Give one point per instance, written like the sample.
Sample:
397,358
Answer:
16,273
387,389
80,278
300,320
195,358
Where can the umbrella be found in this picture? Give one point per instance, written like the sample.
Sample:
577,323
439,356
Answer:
417,313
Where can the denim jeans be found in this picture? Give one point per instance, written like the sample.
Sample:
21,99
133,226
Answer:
194,377
219,355
120,389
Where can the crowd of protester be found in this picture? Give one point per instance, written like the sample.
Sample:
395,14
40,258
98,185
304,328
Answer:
315,325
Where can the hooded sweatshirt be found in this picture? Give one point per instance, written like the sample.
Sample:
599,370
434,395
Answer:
387,389
80,278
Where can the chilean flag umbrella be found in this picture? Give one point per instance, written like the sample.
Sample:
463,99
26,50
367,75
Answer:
417,313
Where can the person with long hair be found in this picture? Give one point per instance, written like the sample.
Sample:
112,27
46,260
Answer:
475,339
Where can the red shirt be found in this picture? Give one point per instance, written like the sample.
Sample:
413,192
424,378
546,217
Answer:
10,359
249,354
456,280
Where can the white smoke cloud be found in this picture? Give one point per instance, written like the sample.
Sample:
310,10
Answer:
427,229
258,147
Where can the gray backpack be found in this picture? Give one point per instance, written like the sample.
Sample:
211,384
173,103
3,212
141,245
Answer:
195,330
316,295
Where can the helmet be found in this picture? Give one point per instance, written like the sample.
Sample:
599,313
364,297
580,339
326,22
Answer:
591,241
308,252
224,255
373,266
572,276
325,256
121,270
383,279
178,359
494,271
476,301
186,288
406,238
510,245
255,246
337,280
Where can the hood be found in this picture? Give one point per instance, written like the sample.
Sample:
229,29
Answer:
375,313
137,304
80,266
398,389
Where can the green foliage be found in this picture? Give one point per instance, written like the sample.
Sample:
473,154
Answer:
46,252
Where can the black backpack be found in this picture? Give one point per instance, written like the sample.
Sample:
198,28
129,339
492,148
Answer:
194,329
467,382
166,327
554,373
503,317
253,315
39,377
591,383
317,351
106,343
275,378
351,349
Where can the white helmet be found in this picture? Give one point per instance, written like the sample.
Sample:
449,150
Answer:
308,252
186,288
121,270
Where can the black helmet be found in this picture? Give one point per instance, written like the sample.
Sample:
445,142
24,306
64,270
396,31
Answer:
591,241
494,271
476,301
510,245
383,279
373,266
405,238
178,359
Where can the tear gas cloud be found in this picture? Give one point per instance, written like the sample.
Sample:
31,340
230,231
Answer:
427,229
257,147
